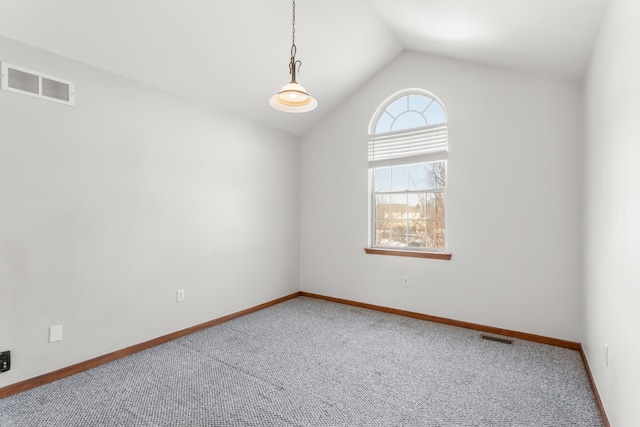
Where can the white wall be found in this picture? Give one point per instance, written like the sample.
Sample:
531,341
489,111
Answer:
514,201
108,207
612,205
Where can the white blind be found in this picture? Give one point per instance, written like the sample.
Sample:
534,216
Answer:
417,144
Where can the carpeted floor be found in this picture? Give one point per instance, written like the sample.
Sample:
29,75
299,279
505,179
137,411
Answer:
307,362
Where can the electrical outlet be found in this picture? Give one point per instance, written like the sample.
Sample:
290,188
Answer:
606,355
405,281
55,333
5,361
180,295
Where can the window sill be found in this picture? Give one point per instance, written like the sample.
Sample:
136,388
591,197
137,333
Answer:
408,253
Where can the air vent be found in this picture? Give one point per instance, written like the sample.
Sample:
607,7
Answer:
32,83
496,339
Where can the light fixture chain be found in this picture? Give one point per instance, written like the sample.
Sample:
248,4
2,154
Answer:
293,24
293,36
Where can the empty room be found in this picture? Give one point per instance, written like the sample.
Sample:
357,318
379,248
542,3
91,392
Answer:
319,213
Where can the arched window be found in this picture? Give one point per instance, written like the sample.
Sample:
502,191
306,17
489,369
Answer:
408,169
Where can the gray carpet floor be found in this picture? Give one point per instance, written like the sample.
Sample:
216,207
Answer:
307,362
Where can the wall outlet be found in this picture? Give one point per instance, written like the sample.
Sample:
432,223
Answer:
405,281
180,295
55,333
5,361
606,355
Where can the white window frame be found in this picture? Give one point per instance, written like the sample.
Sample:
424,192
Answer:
399,148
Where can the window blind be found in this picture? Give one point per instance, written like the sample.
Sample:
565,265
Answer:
428,143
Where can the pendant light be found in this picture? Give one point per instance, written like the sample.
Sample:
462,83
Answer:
293,98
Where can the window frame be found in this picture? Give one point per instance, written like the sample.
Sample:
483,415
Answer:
439,154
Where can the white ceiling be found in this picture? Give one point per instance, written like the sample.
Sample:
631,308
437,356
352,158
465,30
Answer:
234,55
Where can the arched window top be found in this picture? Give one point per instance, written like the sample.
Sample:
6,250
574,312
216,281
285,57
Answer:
410,124
406,110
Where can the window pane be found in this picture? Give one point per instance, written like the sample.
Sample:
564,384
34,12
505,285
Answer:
397,107
435,114
383,233
435,234
416,233
416,207
409,120
384,123
418,242
436,175
383,209
440,206
398,233
419,102
383,179
440,235
418,176
432,206
431,178
399,178
399,206
440,172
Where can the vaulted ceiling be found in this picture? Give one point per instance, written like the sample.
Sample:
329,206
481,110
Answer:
234,55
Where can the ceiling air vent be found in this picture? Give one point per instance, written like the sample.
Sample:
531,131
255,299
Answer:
32,83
